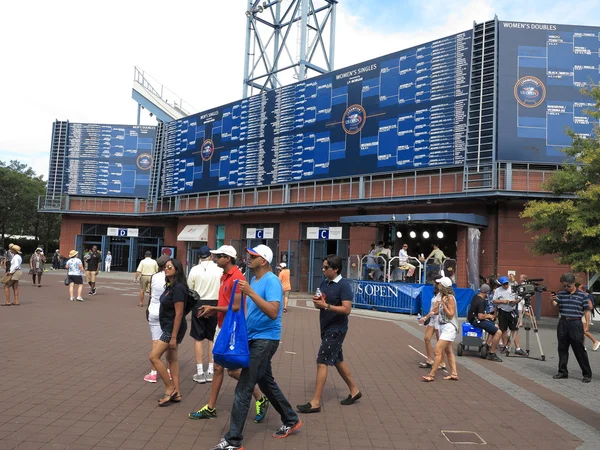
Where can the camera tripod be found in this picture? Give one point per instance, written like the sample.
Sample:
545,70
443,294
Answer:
527,317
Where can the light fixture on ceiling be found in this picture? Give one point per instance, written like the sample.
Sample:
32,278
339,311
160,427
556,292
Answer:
426,234
413,234
440,235
398,234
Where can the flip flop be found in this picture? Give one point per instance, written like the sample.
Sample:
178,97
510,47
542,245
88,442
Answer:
427,378
425,365
451,377
176,398
16,304
6,304
168,399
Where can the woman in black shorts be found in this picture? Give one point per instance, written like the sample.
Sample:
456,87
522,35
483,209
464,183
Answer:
174,327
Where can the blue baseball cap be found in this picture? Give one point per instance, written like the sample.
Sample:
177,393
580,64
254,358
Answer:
503,280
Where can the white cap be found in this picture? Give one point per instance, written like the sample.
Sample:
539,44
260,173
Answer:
225,250
263,251
444,281
282,265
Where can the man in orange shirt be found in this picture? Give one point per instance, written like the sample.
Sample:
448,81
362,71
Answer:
225,259
284,277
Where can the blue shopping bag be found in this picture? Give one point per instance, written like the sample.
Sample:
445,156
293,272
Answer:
231,347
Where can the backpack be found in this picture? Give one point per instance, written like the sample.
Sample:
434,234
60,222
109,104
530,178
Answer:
192,300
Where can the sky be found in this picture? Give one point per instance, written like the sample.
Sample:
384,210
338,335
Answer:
74,60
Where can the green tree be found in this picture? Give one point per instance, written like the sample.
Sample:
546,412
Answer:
570,228
19,215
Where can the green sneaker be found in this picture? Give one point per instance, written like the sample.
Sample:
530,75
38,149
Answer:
204,413
262,406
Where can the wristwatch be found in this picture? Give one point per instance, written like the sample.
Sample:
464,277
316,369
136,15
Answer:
328,307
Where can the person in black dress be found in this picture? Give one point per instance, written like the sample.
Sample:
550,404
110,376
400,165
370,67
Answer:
174,326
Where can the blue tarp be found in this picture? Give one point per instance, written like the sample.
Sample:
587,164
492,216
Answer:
403,297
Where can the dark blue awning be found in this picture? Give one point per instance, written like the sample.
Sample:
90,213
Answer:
471,220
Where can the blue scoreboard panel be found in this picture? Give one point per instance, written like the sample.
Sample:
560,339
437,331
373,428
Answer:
109,160
542,68
398,112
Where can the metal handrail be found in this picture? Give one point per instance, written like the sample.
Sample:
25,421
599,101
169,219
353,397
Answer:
411,259
445,264
164,93
377,258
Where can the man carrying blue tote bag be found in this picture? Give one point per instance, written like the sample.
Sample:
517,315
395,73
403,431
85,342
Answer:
231,346
263,323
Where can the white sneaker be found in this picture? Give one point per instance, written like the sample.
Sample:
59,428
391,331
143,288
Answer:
199,378
596,345
72,299
80,299
209,375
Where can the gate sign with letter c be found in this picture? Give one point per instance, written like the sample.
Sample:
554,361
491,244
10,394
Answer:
259,234
323,233
122,232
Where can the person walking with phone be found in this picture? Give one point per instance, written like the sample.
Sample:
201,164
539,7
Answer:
75,274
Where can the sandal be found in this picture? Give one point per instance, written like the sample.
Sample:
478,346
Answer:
427,378
168,398
425,365
176,398
451,377
6,304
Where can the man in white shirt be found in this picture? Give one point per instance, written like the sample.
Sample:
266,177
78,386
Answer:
205,279
506,302
144,272
403,259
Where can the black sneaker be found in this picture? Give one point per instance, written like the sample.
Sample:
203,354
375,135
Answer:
520,352
559,376
586,379
224,445
94,291
285,431
493,357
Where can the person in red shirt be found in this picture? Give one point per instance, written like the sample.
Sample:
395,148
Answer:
225,259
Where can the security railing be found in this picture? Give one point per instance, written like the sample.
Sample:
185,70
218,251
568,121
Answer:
432,271
399,271
398,187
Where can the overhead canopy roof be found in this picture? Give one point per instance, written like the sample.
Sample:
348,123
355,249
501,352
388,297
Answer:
194,233
471,220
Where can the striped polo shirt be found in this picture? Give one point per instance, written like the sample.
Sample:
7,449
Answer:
572,305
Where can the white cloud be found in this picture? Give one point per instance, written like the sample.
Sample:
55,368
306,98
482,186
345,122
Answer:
67,59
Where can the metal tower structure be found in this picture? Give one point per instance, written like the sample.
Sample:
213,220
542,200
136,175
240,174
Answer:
285,39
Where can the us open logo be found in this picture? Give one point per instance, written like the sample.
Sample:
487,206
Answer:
530,92
144,161
207,150
354,119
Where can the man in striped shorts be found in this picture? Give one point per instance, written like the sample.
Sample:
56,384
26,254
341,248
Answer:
572,304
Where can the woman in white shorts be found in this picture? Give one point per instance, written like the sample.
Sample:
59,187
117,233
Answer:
448,325
157,287
432,327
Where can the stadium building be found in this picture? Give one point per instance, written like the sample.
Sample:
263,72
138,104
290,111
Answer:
442,143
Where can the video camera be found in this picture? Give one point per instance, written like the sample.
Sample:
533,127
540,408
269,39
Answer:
528,288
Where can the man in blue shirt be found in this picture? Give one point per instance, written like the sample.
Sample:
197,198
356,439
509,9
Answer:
335,303
571,304
263,322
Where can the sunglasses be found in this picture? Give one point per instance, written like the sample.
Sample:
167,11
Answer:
221,255
326,267
169,267
251,256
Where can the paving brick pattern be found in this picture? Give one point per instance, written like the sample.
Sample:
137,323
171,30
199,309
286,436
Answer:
72,378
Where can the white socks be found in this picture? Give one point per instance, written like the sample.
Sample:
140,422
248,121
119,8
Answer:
199,369
153,372
211,368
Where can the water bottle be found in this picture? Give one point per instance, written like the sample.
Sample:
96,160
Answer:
318,293
419,318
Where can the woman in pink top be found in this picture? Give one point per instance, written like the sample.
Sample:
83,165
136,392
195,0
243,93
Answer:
284,277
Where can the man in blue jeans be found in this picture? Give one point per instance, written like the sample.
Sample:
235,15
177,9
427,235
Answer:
263,322
480,319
